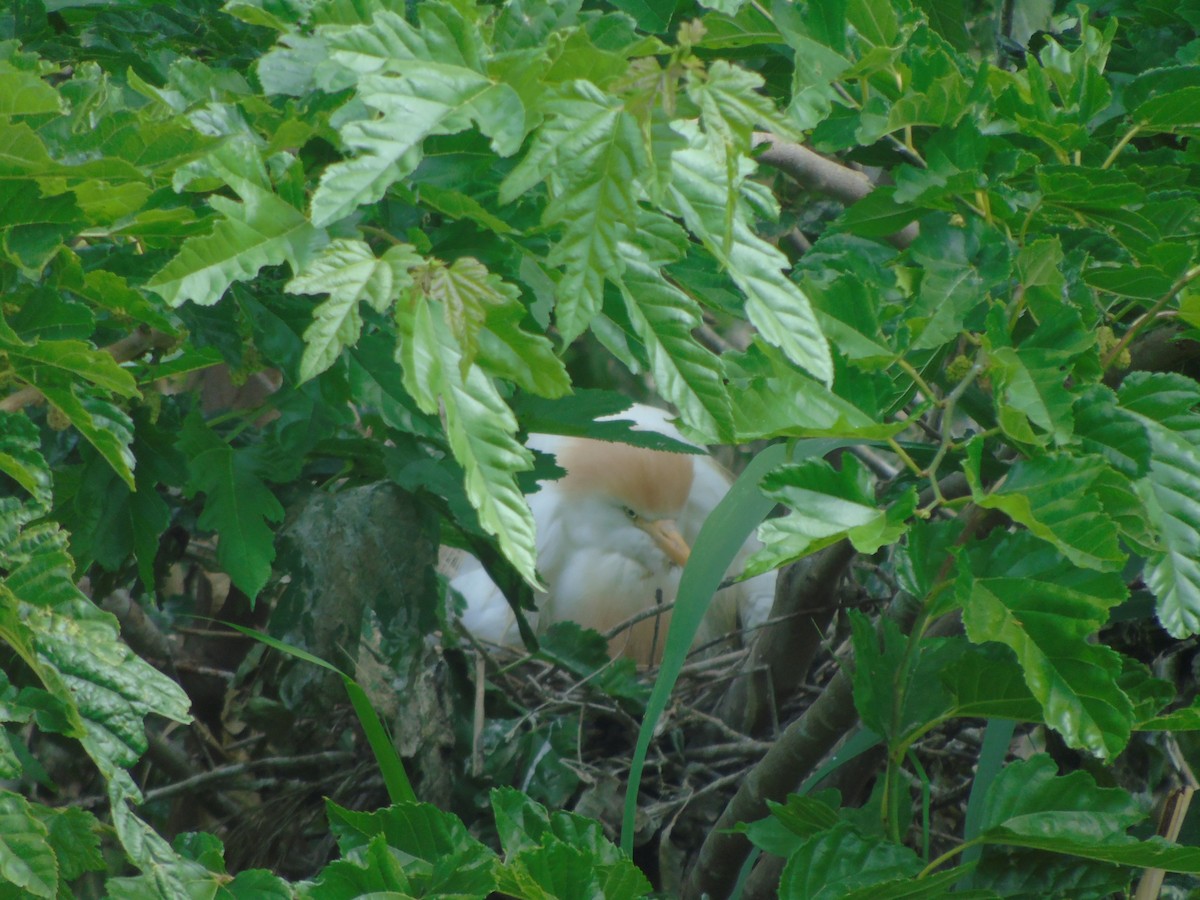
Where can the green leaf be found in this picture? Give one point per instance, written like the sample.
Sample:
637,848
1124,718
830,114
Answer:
237,506
838,862
21,458
826,505
731,106
350,273
1017,591
480,427
558,869
1031,376
704,195
263,230
1030,806
1166,404
74,835
426,98
103,425
27,862
24,94
589,151
48,360
685,372
439,856
394,775
1050,495
1115,433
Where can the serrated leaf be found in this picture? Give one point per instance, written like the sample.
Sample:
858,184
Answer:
439,856
1050,495
685,372
27,863
427,98
350,273
1167,404
730,105
826,505
834,863
1118,435
479,425
21,458
55,360
466,290
508,351
1017,591
1029,805
702,195
237,506
103,425
263,230
590,152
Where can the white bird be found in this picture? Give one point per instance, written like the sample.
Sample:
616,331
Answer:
614,532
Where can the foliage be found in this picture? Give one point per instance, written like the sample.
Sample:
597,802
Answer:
432,223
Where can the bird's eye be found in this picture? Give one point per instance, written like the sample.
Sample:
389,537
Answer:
629,513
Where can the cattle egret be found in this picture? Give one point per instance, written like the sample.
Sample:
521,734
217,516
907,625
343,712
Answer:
613,536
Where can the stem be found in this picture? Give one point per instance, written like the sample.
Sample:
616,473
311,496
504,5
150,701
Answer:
1183,281
947,423
948,855
1116,151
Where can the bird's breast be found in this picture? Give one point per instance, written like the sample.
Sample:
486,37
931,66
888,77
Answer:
602,590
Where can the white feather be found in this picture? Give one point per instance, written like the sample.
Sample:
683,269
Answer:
600,568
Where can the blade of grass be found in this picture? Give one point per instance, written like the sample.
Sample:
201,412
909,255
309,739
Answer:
996,740
395,778
723,534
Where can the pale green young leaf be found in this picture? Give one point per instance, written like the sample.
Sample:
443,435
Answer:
480,426
425,98
590,152
506,350
350,273
1167,405
25,94
685,372
1017,591
263,230
28,865
466,291
702,195
237,505
731,106
1050,495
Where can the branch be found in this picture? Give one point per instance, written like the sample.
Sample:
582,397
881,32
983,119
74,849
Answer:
127,348
784,652
824,176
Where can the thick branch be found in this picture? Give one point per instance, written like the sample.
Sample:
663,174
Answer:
785,650
823,175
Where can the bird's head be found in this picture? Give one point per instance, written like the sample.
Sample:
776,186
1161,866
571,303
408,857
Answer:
634,497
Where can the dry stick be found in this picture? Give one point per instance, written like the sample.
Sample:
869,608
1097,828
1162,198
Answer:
824,176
